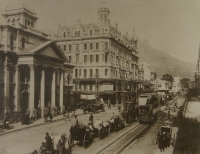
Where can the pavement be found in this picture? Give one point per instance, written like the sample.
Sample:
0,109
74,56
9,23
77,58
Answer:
18,126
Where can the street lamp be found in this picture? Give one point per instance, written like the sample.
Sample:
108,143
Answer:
97,87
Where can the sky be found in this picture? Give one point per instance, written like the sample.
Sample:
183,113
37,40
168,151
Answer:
172,26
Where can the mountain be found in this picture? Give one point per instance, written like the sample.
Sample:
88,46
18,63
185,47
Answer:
162,62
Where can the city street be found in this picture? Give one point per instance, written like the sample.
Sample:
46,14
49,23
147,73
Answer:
30,139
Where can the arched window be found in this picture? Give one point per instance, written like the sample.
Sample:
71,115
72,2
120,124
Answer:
97,45
79,33
91,73
85,73
64,35
11,42
75,33
85,46
106,72
79,72
90,32
76,73
8,20
97,72
23,42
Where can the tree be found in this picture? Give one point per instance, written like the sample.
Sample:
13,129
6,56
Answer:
168,77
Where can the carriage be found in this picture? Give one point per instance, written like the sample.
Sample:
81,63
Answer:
166,136
80,133
59,141
98,107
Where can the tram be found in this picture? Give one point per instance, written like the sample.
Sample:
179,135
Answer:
148,107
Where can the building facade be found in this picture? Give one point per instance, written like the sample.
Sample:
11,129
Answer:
34,71
106,60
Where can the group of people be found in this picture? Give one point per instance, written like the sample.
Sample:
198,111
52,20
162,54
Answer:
5,124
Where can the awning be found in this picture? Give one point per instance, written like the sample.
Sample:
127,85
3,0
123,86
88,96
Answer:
87,97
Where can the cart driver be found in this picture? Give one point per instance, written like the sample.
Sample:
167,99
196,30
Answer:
48,141
75,122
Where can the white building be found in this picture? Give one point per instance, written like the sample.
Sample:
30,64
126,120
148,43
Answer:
176,84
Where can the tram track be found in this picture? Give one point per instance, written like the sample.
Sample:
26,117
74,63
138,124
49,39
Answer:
115,145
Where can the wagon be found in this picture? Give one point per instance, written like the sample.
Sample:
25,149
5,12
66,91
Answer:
166,136
80,134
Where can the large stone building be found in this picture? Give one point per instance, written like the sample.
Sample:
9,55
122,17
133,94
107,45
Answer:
34,71
106,60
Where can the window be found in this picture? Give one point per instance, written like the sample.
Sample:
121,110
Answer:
91,46
70,47
97,72
77,58
85,73
97,45
23,42
64,47
106,58
64,35
106,46
80,87
91,87
85,58
90,32
11,42
85,46
70,58
106,72
91,73
79,33
79,72
85,87
75,33
91,58
97,58
159,85
76,73
77,47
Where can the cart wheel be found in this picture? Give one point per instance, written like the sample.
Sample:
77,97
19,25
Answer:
41,150
70,141
63,150
86,141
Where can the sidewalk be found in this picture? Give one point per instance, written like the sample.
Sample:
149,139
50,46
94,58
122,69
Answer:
18,126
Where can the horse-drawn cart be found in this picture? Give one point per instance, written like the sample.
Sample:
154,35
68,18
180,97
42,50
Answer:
166,136
80,134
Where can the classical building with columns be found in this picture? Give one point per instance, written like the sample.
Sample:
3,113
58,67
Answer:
34,71
106,60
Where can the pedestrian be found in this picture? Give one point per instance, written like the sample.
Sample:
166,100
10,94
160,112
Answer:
119,107
50,116
67,116
91,118
109,105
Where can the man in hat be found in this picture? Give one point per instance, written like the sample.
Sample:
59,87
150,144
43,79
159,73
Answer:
91,118
48,141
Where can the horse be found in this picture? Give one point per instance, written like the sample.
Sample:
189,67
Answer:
59,143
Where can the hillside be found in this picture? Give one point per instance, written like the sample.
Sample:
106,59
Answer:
162,62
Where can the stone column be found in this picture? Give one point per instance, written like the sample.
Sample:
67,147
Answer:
17,89
31,104
42,91
6,88
62,107
53,89
17,42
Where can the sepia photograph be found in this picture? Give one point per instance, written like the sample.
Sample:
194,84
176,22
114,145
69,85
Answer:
99,77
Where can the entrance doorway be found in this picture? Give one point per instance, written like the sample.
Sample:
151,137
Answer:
24,104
